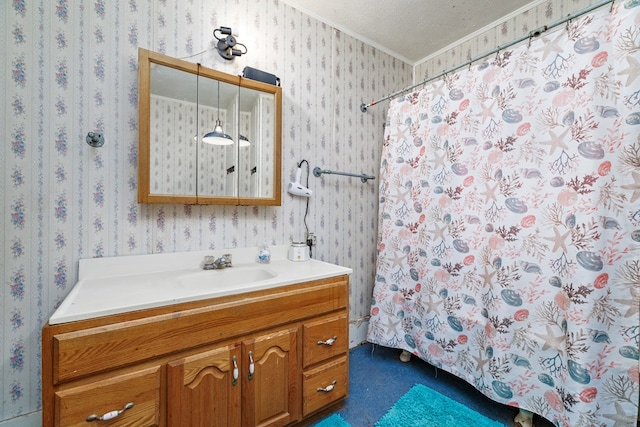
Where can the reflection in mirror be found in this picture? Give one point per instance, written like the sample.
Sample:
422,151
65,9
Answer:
256,126
180,103
172,128
217,106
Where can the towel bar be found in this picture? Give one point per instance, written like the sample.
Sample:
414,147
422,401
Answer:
317,172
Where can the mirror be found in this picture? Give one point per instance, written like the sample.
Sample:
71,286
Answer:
183,105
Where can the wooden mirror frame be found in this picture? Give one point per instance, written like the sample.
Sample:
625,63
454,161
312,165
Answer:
145,59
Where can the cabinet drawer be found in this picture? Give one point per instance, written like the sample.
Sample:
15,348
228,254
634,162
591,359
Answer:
316,334
333,375
142,388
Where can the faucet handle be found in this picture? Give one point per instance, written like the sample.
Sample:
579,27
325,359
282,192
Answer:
227,258
208,262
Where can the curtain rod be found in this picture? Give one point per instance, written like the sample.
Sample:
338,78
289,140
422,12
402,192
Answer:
535,33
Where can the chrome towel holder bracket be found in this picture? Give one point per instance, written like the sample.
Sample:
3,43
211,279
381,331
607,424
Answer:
364,178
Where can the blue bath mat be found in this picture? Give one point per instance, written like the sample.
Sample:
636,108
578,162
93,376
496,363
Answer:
334,420
424,407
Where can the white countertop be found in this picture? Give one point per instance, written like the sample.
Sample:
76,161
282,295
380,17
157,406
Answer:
116,285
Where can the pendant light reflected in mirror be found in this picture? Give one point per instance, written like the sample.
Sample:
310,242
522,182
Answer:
244,141
217,136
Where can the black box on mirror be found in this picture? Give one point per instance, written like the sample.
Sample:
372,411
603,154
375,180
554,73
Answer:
261,76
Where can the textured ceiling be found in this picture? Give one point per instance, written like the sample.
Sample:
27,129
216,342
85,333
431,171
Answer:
410,30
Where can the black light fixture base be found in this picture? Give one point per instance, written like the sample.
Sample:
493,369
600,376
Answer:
224,50
226,45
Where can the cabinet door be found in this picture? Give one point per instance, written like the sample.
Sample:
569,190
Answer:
271,393
203,390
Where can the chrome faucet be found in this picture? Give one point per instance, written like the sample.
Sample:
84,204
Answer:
210,263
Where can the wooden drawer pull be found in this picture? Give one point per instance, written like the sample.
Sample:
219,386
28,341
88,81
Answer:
330,341
109,415
328,388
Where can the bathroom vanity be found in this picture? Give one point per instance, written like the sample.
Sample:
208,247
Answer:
270,352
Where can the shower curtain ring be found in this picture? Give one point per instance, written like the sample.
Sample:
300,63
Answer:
611,8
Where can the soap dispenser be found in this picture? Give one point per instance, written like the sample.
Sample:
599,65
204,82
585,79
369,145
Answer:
264,254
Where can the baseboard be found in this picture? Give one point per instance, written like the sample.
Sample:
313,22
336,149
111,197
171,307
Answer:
357,332
34,419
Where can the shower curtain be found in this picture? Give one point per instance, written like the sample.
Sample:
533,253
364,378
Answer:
509,227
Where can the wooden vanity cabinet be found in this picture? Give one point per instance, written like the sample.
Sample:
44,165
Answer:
265,358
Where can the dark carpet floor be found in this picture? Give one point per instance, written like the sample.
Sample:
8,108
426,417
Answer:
377,379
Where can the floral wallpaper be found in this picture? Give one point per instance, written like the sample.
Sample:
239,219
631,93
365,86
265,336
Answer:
70,67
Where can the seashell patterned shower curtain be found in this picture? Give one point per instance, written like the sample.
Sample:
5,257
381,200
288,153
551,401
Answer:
509,227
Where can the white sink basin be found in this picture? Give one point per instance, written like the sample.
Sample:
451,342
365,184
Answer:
116,285
224,278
